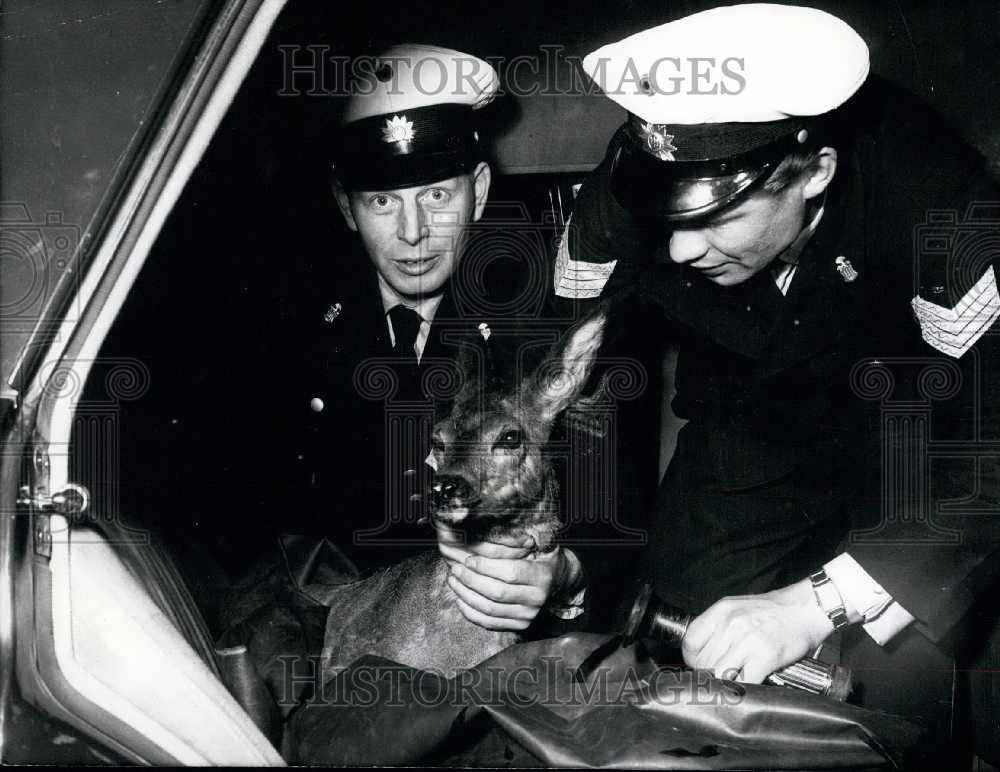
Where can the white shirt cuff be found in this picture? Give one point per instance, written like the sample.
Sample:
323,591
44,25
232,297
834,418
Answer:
881,617
888,624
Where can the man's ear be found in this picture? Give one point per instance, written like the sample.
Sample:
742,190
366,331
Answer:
481,179
344,204
820,174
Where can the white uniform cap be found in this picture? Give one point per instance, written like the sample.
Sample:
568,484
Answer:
716,100
409,76
764,62
410,119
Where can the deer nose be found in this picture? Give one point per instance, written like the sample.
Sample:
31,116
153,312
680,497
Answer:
448,488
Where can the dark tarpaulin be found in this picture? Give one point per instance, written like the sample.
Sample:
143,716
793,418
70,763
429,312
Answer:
628,713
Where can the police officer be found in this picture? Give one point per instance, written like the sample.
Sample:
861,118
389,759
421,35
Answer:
410,179
765,199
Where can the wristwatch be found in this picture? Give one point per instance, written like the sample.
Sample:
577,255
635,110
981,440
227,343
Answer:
828,598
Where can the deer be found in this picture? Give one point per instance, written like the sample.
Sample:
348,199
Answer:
491,478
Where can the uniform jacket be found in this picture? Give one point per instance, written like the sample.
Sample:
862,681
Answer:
357,403
837,385
363,452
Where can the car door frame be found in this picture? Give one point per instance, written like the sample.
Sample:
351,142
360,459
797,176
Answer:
37,422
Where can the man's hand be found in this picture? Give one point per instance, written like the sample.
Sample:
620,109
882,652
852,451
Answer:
751,636
498,585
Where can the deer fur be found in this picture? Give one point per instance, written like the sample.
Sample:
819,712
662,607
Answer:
491,478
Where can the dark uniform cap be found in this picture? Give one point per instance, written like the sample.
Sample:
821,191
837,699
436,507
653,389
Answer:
716,100
411,120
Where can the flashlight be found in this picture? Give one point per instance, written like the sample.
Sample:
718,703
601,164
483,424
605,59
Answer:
653,618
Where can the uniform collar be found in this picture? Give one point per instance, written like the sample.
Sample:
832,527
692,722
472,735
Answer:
739,318
426,307
793,251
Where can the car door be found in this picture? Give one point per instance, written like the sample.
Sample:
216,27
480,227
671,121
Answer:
108,108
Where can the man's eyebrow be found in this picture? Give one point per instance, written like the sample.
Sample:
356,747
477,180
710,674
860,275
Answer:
718,218
731,211
723,217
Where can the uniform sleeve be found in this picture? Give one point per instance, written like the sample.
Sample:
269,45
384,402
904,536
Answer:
600,258
932,541
602,247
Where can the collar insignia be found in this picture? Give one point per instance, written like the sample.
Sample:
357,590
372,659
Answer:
397,129
845,269
332,313
658,142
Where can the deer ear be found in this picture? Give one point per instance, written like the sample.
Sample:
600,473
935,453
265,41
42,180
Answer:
561,377
468,366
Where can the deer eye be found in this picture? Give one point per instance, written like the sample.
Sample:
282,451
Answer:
509,440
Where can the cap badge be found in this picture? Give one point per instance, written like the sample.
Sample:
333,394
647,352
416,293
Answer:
845,269
484,330
397,129
660,143
332,313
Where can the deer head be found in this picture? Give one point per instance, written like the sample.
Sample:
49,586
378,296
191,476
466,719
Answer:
491,471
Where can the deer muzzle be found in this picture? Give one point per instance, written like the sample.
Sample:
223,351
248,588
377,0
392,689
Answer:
453,497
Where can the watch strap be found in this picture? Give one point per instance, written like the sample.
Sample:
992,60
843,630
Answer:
829,599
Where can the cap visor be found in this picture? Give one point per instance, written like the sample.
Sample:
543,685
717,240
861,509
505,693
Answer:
402,171
678,191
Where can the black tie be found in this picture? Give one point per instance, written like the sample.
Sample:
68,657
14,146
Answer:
405,326
412,444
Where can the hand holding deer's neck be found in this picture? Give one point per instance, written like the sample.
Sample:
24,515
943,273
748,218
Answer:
492,472
495,483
